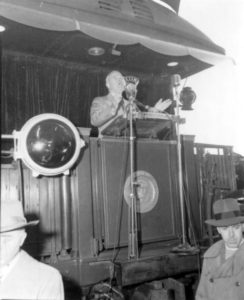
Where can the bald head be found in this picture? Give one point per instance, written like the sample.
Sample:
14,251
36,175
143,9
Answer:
115,82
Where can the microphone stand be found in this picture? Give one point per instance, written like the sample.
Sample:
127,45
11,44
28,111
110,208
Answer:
184,247
180,174
132,213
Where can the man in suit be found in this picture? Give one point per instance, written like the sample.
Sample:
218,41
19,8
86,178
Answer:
105,109
222,275
21,276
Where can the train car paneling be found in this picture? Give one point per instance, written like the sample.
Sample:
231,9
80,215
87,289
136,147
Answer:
82,211
191,187
155,162
9,192
84,216
41,201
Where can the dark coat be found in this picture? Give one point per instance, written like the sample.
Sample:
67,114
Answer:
101,111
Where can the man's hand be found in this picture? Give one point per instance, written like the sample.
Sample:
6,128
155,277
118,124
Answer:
161,105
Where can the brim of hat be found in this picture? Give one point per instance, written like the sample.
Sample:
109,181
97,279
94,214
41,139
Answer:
225,222
19,226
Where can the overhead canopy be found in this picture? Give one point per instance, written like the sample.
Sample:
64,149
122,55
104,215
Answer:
174,4
118,22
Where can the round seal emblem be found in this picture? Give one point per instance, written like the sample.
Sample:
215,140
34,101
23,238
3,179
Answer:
145,189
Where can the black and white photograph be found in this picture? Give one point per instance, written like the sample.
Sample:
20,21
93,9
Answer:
122,150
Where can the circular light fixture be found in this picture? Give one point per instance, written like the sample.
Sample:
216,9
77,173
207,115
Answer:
2,28
172,64
96,51
48,144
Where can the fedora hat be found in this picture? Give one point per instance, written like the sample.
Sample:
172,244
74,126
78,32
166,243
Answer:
226,213
12,216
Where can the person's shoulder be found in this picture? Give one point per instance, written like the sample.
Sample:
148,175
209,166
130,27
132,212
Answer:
214,250
101,101
48,270
39,266
101,98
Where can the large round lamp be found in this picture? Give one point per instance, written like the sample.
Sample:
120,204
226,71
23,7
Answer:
48,144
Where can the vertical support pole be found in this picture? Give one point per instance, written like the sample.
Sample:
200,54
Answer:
180,174
66,233
184,247
131,90
133,238
175,86
21,183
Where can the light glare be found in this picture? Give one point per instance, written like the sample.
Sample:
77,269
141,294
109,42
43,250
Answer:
172,64
2,28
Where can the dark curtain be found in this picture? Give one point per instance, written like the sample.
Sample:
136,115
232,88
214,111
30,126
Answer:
34,85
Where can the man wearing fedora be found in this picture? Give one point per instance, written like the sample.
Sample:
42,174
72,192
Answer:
222,275
21,276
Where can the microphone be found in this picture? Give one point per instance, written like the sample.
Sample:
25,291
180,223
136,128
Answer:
175,83
130,90
131,86
139,104
175,80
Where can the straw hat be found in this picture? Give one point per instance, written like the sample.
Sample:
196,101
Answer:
226,213
12,216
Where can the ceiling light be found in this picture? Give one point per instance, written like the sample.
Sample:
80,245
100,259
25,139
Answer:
114,51
96,51
172,64
2,28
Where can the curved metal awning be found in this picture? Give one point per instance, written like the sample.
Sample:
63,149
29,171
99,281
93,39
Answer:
117,22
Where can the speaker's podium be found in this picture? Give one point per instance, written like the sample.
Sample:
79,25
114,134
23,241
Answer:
145,125
155,171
